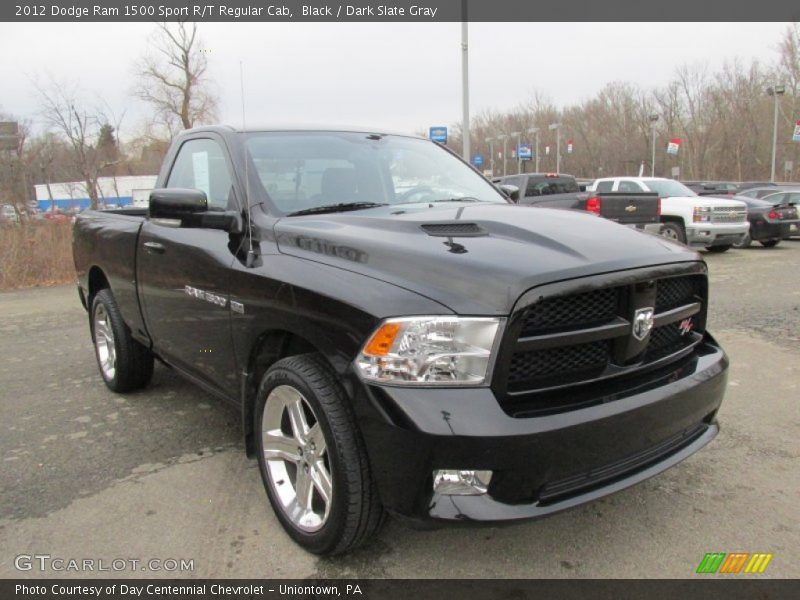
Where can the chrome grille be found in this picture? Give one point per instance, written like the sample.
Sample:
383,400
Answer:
728,214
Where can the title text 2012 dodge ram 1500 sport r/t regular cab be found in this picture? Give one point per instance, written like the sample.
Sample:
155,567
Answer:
397,335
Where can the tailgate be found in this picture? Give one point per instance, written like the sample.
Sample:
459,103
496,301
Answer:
629,208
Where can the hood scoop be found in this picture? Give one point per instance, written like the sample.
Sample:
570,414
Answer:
454,229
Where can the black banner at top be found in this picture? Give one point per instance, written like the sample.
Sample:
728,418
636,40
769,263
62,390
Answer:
399,10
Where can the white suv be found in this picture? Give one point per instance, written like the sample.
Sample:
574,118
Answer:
699,221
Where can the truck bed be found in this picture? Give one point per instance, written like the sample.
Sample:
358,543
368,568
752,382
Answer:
107,240
622,207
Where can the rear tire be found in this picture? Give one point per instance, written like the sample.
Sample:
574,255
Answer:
770,243
125,364
718,249
312,459
673,231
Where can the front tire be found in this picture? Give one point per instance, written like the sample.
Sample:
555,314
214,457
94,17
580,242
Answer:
770,243
124,363
719,249
673,231
312,458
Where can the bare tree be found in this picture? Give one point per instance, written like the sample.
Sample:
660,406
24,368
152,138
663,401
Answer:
173,78
80,127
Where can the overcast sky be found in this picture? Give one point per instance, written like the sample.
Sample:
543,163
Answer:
396,76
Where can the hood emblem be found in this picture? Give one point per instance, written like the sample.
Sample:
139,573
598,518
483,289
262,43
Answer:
642,322
630,208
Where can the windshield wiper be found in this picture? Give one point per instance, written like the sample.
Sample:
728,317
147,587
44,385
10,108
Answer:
461,199
332,208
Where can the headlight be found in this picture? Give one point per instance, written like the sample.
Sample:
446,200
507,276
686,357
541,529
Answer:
702,214
430,351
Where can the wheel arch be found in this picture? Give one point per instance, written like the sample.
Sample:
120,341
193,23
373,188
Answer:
269,347
96,281
673,219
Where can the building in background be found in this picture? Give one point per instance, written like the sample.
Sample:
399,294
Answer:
112,192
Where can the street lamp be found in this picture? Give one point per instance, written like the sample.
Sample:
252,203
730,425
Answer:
519,160
653,120
465,148
490,141
503,137
557,128
775,91
535,131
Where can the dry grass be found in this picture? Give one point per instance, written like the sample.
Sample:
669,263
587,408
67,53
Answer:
36,254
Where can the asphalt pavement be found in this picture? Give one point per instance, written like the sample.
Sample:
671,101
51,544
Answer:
161,474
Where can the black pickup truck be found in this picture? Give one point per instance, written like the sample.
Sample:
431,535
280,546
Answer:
559,190
396,335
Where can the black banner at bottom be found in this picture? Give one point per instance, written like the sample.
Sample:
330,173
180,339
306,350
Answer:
400,589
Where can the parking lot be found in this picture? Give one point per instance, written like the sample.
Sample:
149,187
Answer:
161,474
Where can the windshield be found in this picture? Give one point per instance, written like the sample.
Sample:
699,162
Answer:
306,170
667,188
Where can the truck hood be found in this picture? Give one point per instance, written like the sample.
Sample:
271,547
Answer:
481,272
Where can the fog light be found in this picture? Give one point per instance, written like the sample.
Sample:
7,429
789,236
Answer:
451,482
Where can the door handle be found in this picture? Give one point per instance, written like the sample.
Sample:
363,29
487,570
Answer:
154,248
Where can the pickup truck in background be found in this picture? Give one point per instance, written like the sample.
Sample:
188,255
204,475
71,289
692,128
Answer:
557,190
396,336
715,224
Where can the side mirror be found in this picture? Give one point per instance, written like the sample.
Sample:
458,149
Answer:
176,203
178,207
510,191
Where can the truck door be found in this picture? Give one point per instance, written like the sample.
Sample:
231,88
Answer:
184,273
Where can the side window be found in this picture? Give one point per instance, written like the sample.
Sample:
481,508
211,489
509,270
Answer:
630,187
793,197
201,165
604,186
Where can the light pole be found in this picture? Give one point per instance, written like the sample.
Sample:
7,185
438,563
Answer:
490,141
535,131
653,121
557,128
503,137
465,149
519,160
775,91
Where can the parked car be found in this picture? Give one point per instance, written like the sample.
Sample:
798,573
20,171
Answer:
749,185
440,353
712,188
761,192
57,216
772,218
700,221
557,190
8,215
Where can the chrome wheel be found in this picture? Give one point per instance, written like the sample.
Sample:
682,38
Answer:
104,343
670,234
296,458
